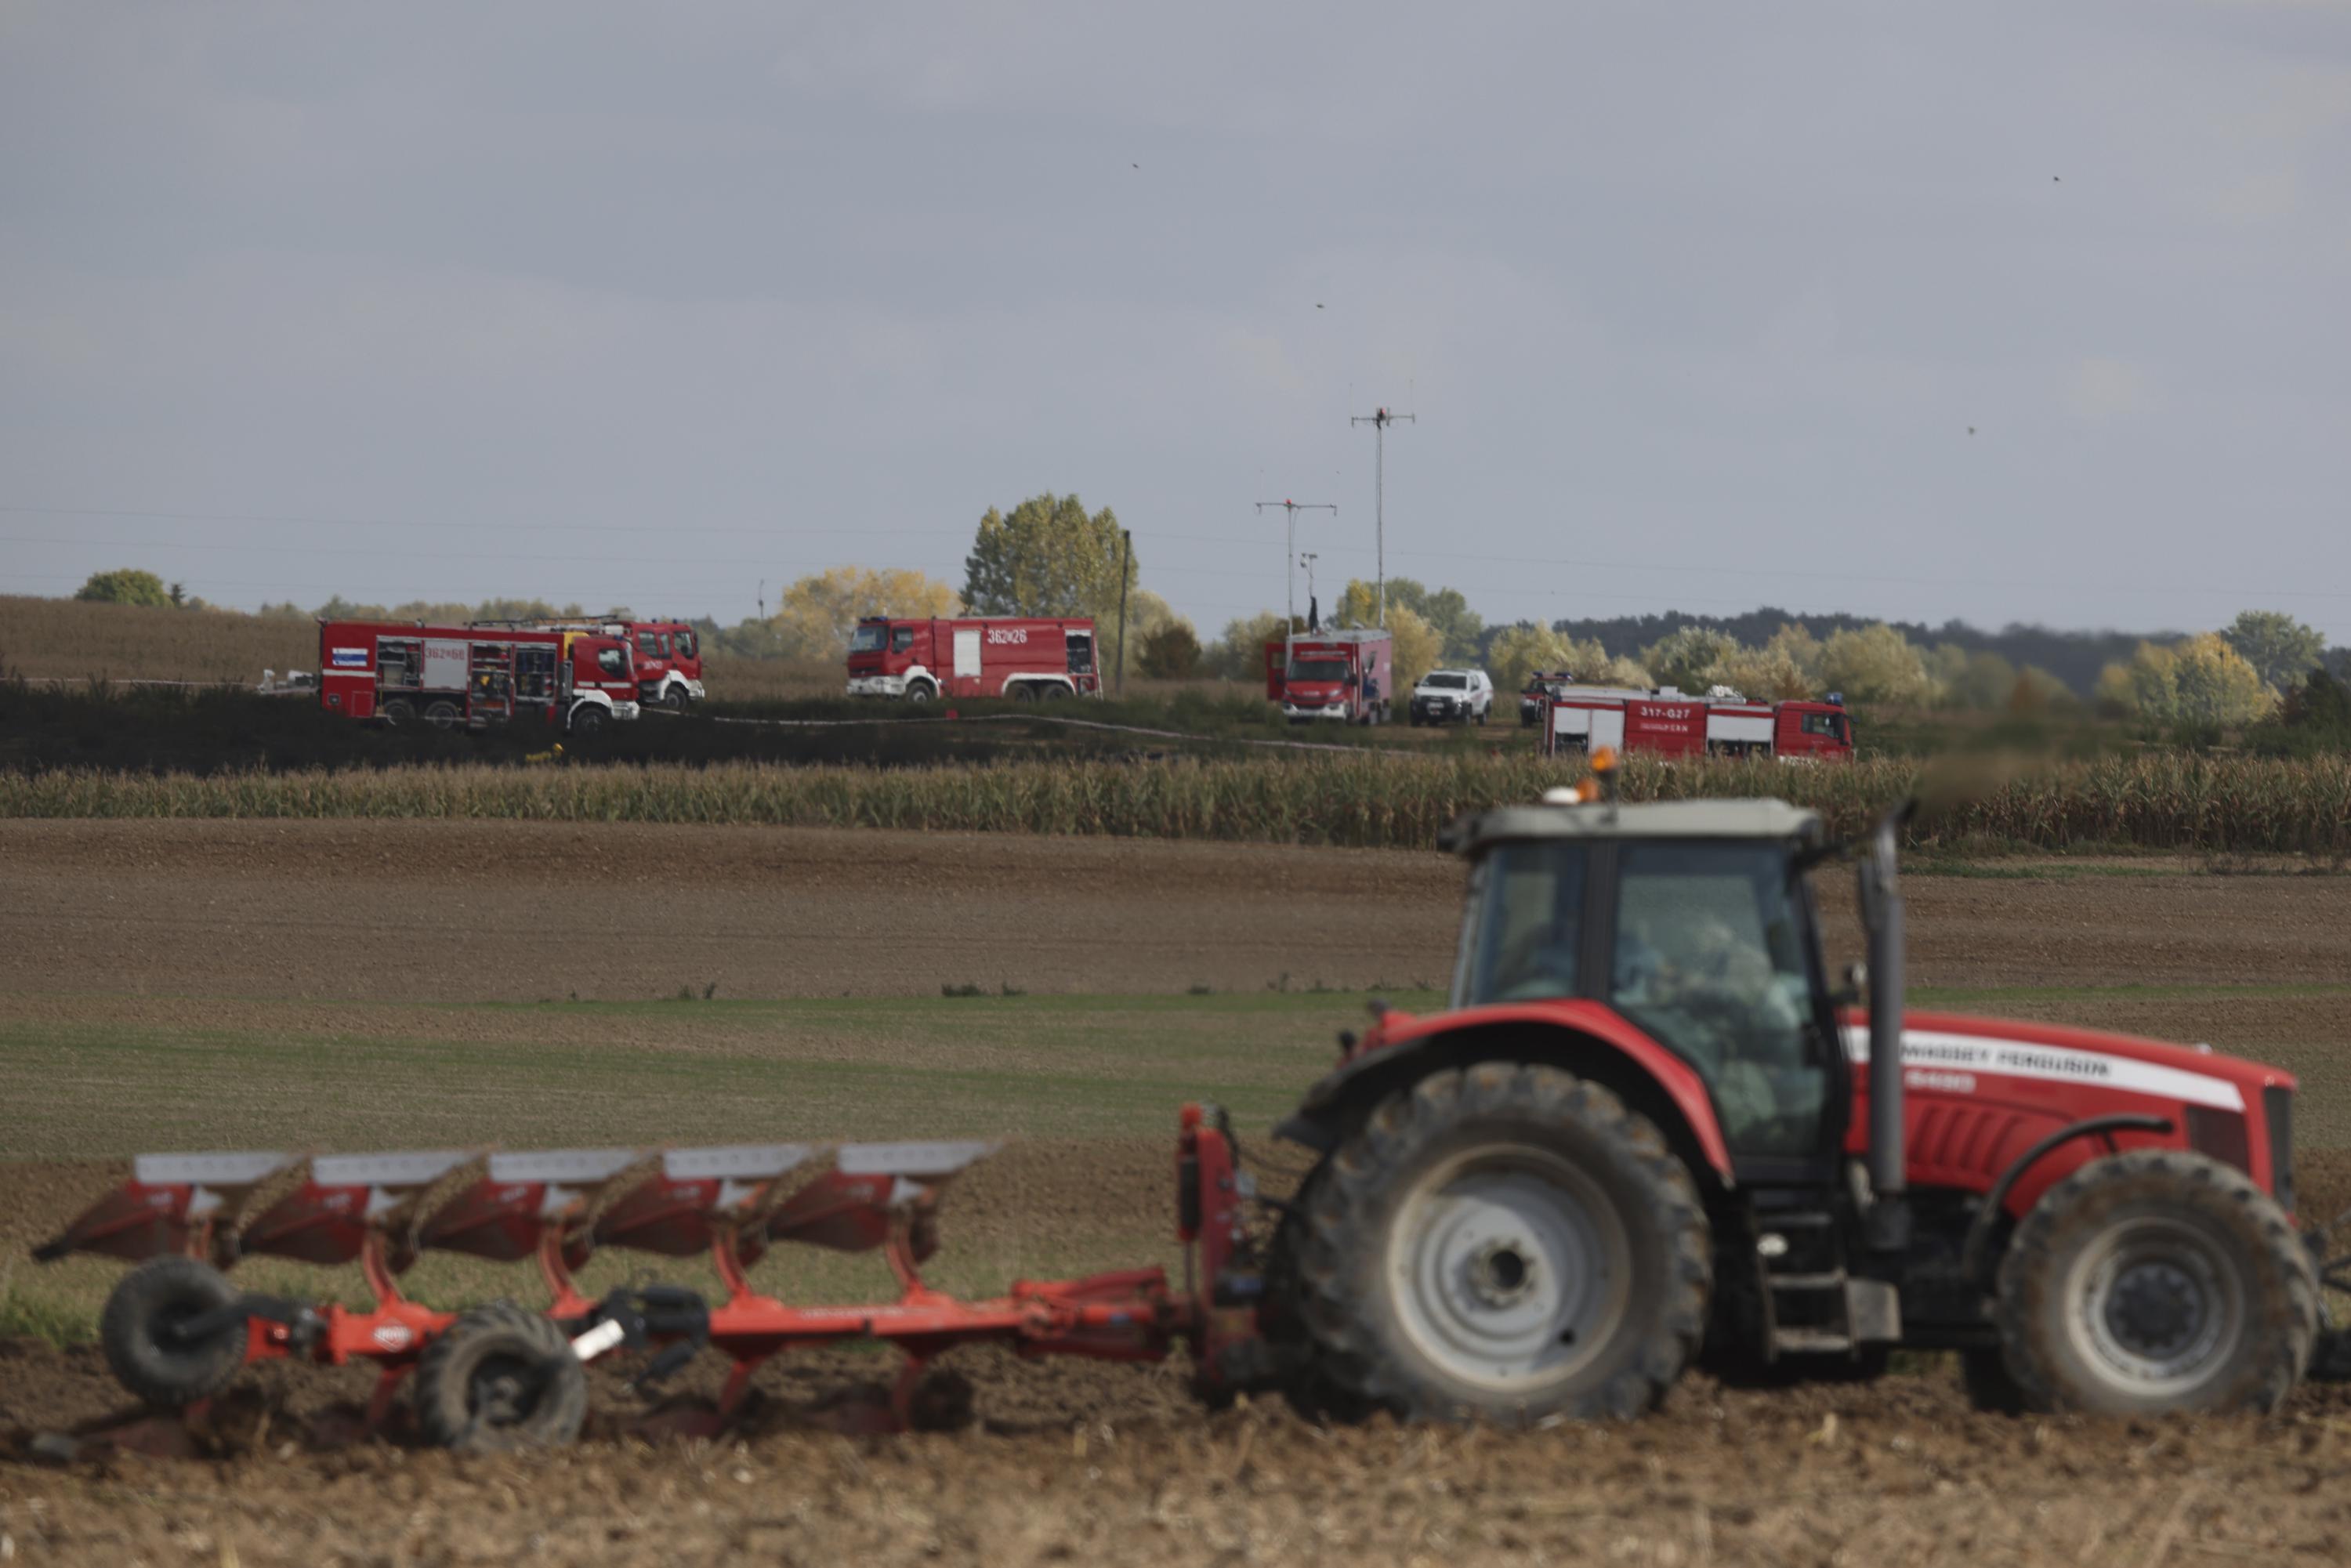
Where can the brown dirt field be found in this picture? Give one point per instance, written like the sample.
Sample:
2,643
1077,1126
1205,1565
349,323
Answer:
411,910
1075,1462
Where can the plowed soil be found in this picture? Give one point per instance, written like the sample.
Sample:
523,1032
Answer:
1075,1462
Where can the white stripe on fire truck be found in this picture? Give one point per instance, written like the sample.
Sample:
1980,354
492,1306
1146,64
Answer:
1935,1048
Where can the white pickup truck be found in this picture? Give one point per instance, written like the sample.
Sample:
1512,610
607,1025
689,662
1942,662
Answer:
1452,696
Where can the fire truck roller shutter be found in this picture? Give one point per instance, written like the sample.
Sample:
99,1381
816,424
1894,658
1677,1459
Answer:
967,652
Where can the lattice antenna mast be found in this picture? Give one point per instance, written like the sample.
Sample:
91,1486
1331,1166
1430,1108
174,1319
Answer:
1289,556
1379,420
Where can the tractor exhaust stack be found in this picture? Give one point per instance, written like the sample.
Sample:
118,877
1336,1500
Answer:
1887,1224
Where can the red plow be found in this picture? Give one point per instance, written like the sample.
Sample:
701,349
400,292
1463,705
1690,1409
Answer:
177,1331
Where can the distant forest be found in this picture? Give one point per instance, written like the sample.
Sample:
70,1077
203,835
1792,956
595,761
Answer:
2074,657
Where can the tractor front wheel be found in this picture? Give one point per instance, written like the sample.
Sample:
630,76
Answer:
2156,1280
142,1332
1506,1243
499,1379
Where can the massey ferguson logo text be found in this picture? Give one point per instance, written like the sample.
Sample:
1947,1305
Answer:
2008,1058
1008,634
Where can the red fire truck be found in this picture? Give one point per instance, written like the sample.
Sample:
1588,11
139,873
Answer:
1341,676
1720,723
406,672
668,654
1022,658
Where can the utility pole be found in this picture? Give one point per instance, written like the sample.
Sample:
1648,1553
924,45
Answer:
1126,550
1290,559
1379,420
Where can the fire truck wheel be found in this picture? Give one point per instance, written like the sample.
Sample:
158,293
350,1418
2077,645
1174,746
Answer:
1056,692
675,700
2156,1280
498,1379
1022,691
1503,1242
398,711
587,721
919,692
440,714
139,1331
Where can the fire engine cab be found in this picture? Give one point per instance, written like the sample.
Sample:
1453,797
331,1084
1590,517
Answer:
1577,718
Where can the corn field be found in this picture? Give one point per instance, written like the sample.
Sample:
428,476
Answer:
2156,802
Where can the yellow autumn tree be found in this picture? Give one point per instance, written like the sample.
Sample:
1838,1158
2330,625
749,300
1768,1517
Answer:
815,615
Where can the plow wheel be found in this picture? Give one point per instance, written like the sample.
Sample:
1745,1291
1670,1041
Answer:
1504,1243
2156,1280
142,1332
499,1379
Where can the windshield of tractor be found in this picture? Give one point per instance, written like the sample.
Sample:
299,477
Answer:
1710,962
1527,924
869,638
1318,669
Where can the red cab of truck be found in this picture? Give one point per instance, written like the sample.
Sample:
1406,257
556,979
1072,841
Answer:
1342,678
404,673
1022,658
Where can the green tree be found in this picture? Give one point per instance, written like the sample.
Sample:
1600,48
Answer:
1046,557
1770,673
1689,658
1518,651
126,586
1169,652
1240,653
2280,649
1458,628
1875,664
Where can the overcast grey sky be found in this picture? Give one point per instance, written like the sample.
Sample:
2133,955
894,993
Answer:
1697,305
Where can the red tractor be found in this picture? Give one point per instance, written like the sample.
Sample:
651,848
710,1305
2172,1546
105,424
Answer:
1648,1128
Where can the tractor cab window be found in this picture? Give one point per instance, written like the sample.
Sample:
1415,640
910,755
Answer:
1710,962
868,639
1525,934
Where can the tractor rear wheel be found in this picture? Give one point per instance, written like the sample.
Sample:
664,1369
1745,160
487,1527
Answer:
1506,1243
2156,1280
499,1379
141,1332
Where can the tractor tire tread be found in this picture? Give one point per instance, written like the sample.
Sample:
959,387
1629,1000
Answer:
1352,1377
168,1378
2288,1325
443,1375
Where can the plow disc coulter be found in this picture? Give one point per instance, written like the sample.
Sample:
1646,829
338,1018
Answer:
177,1331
